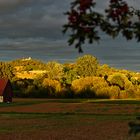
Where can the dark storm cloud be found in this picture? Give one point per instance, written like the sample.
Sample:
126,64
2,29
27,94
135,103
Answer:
35,18
8,5
34,28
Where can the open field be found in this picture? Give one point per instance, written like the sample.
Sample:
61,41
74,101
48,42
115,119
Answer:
67,119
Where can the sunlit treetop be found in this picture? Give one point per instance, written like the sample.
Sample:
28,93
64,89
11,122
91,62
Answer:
85,22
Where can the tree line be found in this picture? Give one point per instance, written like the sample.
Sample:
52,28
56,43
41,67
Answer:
84,78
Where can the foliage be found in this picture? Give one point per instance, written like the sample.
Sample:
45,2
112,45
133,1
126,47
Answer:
112,92
69,76
82,83
6,70
28,64
120,80
53,87
105,70
54,70
90,86
135,79
86,66
85,78
117,80
85,22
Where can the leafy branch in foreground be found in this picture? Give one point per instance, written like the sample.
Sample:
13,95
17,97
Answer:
85,23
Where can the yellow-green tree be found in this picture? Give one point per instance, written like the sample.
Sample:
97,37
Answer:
86,66
54,70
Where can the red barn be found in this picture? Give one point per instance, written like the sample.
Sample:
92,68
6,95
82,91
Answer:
6,93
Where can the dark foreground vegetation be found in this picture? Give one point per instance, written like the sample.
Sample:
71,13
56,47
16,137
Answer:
85,78
68,119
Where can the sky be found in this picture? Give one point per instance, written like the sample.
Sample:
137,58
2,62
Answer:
33,28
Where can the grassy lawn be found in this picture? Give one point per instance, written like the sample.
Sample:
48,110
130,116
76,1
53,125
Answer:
22,102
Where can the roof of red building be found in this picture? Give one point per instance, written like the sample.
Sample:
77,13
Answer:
3,83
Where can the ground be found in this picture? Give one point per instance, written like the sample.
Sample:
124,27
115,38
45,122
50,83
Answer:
67,119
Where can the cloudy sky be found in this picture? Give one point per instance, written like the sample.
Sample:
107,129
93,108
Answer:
33,28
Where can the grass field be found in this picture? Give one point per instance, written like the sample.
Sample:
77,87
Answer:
67,119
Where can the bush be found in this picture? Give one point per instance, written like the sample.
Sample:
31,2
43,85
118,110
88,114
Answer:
124,95
82,86
133,91
88,86
117,80
114,92
53,87
103,93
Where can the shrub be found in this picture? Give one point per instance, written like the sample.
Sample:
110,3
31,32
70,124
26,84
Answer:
103,93
53,87
117,80
137,91
135,80
124,94
82,86
114,92
133,91
103,70
88,86
98,83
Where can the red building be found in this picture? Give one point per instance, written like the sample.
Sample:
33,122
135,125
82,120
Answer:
6,92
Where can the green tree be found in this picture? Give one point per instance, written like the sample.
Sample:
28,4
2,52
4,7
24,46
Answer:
86,66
